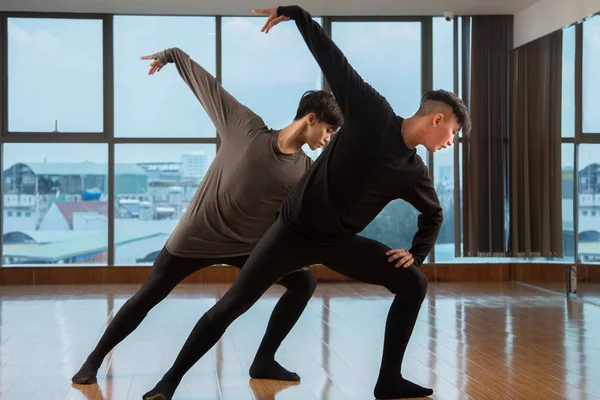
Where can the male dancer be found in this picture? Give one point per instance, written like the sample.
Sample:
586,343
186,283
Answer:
253,171
370,162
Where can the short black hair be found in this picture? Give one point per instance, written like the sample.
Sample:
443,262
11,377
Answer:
324,106
459,109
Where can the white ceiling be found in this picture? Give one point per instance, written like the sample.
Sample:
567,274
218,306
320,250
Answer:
244,7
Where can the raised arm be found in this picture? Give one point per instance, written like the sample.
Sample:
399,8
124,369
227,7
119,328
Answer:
352,93
229,116
424,198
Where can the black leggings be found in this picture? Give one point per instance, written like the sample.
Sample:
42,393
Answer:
169,270
281,251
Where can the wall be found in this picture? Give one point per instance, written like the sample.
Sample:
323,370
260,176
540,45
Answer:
546,16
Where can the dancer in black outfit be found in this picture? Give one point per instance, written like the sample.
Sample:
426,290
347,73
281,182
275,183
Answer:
370,162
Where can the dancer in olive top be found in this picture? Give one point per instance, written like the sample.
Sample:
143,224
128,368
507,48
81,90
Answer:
371,161
254,170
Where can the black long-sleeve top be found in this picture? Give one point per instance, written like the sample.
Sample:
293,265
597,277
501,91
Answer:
365,166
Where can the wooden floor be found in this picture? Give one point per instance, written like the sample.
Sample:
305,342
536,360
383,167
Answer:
476,340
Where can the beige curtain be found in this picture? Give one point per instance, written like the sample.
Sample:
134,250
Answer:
535,149
485,151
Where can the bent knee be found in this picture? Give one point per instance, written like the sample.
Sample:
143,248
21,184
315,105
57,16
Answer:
412,285
301,283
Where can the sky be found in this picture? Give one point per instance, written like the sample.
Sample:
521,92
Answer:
55,73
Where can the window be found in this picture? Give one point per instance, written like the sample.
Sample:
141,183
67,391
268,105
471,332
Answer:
160,105
443,54
590,76
443,78
444,186
154,184
378,51
64,203
388,56
49,88
568,153
268,73
568,83
589,202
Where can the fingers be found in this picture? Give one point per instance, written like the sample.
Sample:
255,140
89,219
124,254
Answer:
405,259
262,12
396,251
396,254
146,58
155,67
266,25
272,21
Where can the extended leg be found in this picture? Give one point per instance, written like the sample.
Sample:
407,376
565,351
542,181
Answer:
278,253
168,270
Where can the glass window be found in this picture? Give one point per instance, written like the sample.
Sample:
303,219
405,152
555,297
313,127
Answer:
444,186
388,56
55,75
268,73
591,78
443,54
161,105
443,78
62,205
589,202
568,152
153,188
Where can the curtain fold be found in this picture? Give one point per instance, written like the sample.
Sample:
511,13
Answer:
535,149
485,151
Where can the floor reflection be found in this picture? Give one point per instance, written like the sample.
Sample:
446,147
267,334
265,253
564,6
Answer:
491,340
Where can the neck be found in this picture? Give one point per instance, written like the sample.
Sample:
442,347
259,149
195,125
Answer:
411,132
290,138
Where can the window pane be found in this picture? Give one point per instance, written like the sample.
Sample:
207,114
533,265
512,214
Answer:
460,56
152,193
443,54
55,75
567,200
268,73
589,203
443,78
568,83
388,56
55,212
591,78
444,186
160,105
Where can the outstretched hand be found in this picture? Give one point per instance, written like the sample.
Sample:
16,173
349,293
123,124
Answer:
272,20
406,259
155,65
